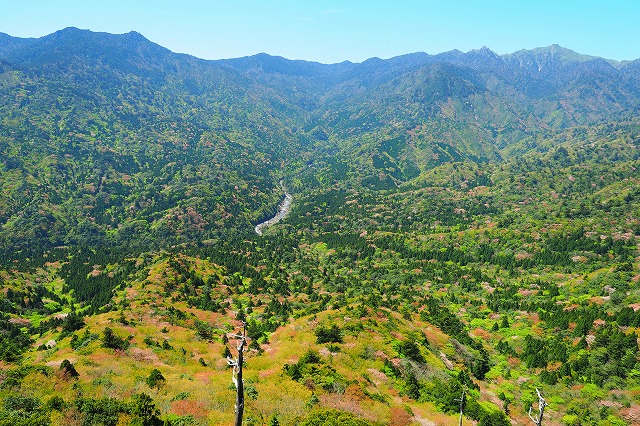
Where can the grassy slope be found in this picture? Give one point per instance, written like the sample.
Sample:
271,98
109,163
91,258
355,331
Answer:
208,390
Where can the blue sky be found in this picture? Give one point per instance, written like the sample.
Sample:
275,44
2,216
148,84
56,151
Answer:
332,31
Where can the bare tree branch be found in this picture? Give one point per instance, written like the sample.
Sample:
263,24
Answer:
541,405
236,376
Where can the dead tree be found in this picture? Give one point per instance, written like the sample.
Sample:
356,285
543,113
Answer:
237,373
541,405
461,405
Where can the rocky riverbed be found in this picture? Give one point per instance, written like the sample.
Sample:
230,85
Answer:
285,206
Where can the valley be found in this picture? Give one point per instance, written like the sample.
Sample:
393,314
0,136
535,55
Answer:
283,210
452,222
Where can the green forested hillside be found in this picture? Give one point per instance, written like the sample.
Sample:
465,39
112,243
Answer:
460,222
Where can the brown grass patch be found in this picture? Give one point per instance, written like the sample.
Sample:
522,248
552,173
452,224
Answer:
269,372
144,355
513,362
186,407
435,336
56,364
377,376
354,393
341,403
23,322
399,417
446,361
205,376
523,255
631,414
482,334
535,318
397,335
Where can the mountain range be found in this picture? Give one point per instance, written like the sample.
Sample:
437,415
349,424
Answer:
460,222
381,122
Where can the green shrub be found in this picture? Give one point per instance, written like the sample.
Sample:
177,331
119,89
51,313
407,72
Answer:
68,369
145,411
156,379
103,411
331,334
112,341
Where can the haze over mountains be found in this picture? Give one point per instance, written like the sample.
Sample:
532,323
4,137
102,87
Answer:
459,220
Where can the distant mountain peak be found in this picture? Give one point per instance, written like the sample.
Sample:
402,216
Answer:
69,32
563,52
485,49
136,36
485,52
72,45
555,53
74,32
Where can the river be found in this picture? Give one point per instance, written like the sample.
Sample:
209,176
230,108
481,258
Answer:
285,206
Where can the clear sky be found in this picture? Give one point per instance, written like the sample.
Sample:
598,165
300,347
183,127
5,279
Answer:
333,31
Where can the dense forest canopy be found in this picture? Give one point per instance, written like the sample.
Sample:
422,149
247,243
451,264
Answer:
460,222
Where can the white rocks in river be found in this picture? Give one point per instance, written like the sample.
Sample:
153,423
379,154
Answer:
282,212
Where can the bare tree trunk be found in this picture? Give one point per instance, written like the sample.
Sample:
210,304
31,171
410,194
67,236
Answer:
237,373
240,386
461,406
541,405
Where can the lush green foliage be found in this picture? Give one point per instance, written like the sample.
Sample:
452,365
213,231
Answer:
156,379
461,222
112,341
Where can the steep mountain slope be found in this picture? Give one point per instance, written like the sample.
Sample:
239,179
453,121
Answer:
9,43
105,137
470,105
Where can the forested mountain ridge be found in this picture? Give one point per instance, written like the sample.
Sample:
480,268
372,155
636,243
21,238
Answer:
106,118
459,221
